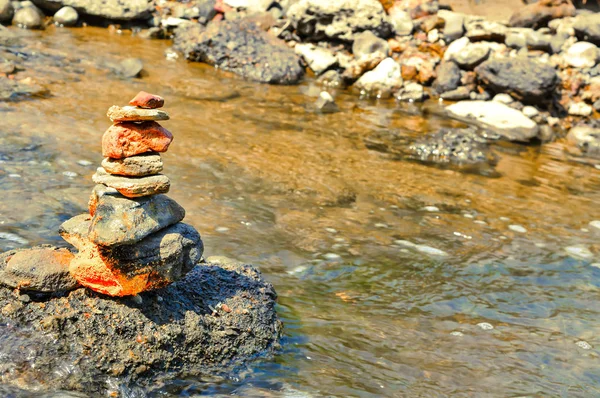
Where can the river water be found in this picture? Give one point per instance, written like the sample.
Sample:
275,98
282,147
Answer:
395,277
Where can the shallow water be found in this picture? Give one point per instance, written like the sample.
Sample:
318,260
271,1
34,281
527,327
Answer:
395,278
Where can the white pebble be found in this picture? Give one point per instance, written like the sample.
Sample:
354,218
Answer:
457,333
14,175
332,256
70,174
221,229
481,222
584,345
83,162
517,228
432,209
468,216
381,225
530,111
579,251
331,230
431,250
504,219
485,326
595,224
404,243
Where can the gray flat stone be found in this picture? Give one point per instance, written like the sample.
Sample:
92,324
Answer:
135,114
133,187
134,166
122,221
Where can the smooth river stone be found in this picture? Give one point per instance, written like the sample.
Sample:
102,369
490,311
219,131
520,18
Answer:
126,139
156,261
133,187
147,100
134,166
134,114
122,221
41,269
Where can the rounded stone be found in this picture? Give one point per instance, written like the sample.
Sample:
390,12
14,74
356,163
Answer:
41,269
29,17
126,139
66,16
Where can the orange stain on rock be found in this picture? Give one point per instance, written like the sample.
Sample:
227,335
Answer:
127,139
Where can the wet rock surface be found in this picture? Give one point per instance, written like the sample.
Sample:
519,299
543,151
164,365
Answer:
219,316
459,146
241,47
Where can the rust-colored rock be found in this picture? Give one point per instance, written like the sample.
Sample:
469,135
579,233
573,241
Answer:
147,100
409,72
123,140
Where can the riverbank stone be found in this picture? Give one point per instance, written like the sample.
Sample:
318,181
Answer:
584,141
526,80
319,59
66,16
117,10
382,81
587,27
342,20
448,77
7,11
502,119
29,17
133,114
40,269
241,47
538,14
127,139
582,55
134,166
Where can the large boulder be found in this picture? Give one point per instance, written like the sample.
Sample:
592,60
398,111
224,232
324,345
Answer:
221,315
525,79
120,10
241,47
339,19
538,14
500,118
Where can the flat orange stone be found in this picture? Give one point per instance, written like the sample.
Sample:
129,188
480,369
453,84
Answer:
126,139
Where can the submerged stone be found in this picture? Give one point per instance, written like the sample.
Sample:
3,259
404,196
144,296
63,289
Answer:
41,269
133,187
127,139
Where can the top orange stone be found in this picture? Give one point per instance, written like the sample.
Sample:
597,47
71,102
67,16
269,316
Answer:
147,100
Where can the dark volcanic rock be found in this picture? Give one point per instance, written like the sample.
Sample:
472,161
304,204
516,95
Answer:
120,10
241,47
40,269
538,14
339,20
526,80
217,318
448,77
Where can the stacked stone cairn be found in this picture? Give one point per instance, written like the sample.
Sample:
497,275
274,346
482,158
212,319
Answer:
133,239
